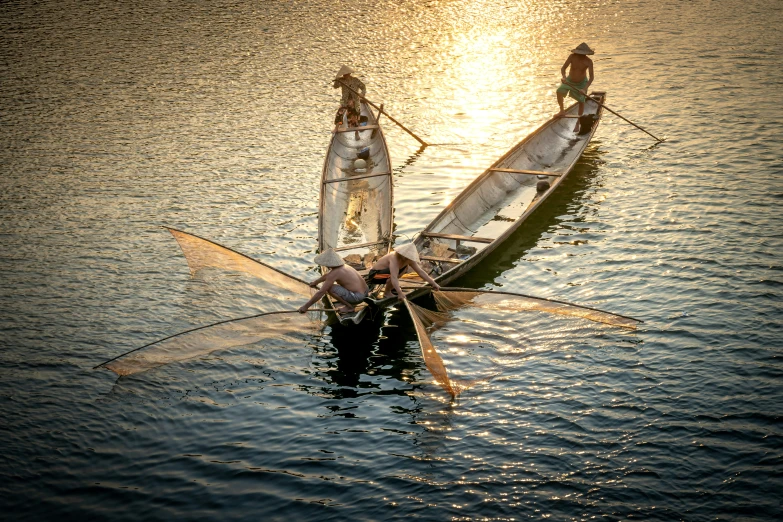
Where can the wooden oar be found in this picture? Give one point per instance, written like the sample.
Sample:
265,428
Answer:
610,110
380,109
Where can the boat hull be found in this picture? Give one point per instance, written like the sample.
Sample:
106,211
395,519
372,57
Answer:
502,198
355,212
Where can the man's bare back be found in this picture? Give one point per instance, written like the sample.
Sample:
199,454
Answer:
348,278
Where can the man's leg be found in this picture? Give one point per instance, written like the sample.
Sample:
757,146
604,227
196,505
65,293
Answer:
581,111
388,288
560,103
347,307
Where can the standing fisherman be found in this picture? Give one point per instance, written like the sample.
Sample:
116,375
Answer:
350,102
577,81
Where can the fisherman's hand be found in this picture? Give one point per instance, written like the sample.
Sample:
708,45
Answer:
302,309
436,286
563,80
313,285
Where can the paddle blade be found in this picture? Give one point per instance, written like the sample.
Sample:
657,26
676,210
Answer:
211,338
448,299
201,253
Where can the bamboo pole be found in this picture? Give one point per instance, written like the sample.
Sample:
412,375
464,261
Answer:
616,114
381,111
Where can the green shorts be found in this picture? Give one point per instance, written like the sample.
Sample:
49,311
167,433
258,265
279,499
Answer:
573,92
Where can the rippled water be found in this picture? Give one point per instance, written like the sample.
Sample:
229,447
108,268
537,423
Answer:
214,117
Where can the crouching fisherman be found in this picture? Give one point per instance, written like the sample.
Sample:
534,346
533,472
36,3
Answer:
341,282
390,267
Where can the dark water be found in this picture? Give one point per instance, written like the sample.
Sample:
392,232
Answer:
213,117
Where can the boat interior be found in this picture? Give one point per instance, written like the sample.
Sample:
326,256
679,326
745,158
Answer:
356,224
503,195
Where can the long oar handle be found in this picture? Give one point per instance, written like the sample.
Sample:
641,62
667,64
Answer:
104,363
618,115
380,109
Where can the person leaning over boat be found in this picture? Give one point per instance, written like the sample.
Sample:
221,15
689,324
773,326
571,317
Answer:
341,282
578,80
388,269
350,102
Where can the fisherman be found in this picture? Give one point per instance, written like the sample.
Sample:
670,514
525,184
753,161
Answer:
578,80
341,282
350,102
388,269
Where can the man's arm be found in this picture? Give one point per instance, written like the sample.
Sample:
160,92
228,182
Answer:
328,282
564,67
360,87
424,275
394,270
320,279
590,75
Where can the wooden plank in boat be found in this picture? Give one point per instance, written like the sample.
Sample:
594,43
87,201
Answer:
352,178
360,245
353,129
529,172
441,259
464,239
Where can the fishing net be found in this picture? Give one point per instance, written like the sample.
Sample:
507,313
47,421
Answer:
201,253
431,358
211,338
425,321
448,300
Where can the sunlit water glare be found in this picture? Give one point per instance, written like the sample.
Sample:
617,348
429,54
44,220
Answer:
213,117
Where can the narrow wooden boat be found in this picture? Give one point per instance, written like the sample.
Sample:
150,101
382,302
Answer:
355,213
499,201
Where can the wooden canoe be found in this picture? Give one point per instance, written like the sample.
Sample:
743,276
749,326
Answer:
499,201
355,212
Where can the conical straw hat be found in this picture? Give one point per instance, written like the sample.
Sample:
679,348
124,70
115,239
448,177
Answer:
408,251
330,259
583,48
345,70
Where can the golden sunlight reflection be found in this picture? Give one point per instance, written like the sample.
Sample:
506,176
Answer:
481,59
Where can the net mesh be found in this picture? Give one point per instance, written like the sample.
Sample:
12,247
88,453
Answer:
432,359
207,339
201,253
448,300
426,321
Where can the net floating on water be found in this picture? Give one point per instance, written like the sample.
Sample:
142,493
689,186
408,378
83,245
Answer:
202,253
211,338
453,299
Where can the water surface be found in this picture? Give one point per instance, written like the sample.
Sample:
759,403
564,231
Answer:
213,117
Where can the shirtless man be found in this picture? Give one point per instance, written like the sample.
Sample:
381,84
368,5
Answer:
388,269
341,282
577,81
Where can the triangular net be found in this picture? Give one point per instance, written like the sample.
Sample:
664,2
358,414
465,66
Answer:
448,300
207,339
425,321
201,253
